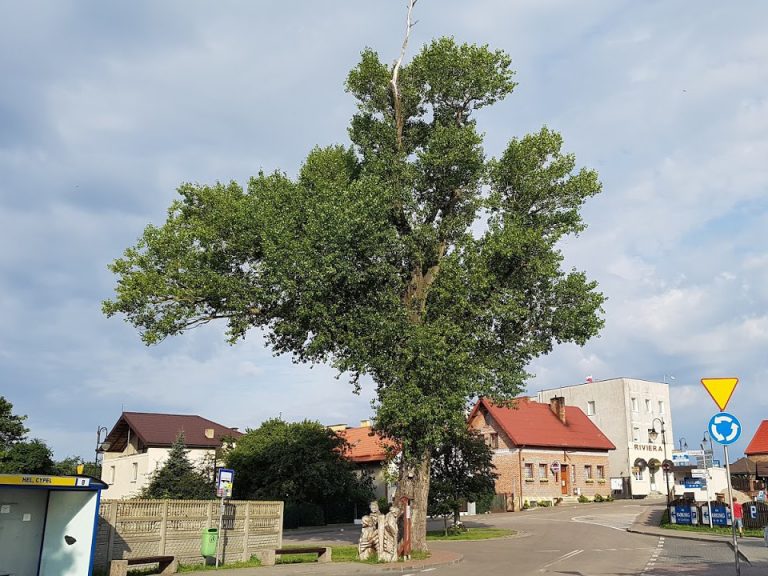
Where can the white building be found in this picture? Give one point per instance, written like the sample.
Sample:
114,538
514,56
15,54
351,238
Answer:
139,442
626,410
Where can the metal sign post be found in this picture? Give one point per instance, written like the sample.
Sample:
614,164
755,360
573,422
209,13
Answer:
725,429
733,512
225,479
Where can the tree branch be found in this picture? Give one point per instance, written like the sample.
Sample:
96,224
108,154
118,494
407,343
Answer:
399,121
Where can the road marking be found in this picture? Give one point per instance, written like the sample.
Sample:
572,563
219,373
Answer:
428,569
570,554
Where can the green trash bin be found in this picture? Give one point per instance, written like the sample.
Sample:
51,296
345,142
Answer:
209,541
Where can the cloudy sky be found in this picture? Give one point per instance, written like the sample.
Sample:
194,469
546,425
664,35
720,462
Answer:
107,106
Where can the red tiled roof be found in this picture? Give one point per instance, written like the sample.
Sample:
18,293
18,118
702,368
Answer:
365,445
759,443
530,423
161,430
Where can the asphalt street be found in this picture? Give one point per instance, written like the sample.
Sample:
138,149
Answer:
582,540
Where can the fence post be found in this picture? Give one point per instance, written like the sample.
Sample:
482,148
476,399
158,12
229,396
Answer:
163,528
247,530
112,531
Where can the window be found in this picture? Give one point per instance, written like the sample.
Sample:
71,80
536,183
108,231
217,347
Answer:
638,474
588,472
634,405
601,472
135,472
648,407
635,434
111,474
494,440
573,474
542,471
529,471
591,408
661,406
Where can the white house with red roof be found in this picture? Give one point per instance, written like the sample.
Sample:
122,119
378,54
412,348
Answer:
139,443
370,452
543,451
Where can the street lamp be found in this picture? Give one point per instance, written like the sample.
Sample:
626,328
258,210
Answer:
101,435
683,444
652,435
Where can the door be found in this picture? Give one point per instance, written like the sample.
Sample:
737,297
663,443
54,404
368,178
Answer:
565,483
22,519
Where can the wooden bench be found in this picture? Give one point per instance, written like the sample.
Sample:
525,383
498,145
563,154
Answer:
323,553
168,564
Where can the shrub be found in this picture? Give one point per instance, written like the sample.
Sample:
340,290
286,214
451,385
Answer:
598,498
545,503
302,514
583,499
609,498
383,505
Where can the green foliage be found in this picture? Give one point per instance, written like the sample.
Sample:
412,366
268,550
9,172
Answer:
68,467
12,428
383,504
301,463
598,498
178,478
545,503
28,457
462,470
583,499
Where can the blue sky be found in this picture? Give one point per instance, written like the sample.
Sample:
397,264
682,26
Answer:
107,107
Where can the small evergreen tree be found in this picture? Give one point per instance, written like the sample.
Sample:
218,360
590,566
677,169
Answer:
178,478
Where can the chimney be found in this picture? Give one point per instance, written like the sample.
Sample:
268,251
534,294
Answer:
209,433
365,423
557,404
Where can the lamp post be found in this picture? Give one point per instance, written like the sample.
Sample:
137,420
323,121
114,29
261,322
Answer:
652,435
683,444
101,430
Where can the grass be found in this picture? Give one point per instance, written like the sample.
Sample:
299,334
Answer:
339,554
472,534
718,530
199,567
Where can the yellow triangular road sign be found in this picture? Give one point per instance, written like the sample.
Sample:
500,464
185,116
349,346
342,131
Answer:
721,389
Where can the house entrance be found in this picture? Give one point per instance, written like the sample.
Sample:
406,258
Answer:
565,480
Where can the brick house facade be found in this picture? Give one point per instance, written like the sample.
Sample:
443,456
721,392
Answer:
543,451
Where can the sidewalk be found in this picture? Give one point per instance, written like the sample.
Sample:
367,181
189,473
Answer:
752,549
438,558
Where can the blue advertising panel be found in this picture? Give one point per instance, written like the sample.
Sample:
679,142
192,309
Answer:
683,515
695,483
720,515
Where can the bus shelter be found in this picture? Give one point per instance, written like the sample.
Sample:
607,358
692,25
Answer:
48,524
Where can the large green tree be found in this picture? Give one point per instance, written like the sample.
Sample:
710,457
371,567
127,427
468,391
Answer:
408,257
299,462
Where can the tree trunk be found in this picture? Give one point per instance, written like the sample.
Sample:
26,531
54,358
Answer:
456,516
414,484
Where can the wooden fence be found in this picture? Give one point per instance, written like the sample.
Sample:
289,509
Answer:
137,528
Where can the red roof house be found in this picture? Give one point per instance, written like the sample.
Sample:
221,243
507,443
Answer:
758,446
543,451
370,452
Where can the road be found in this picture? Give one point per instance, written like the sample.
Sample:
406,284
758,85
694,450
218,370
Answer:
584,540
